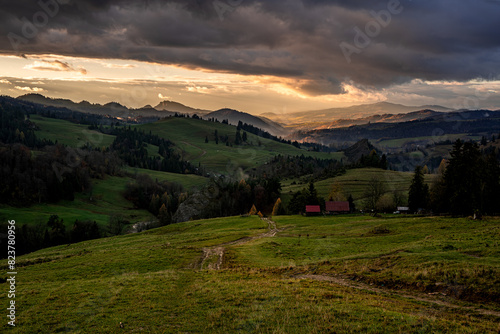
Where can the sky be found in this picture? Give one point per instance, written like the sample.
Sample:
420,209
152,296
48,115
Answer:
254,56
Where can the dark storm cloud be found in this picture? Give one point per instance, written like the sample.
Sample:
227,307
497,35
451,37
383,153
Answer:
296,39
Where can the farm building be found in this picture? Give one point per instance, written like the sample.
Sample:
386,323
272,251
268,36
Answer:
403,209
312,210
337,207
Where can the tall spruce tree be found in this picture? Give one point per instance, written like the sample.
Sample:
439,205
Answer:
471,181
312,198
490,185
462,179
418,197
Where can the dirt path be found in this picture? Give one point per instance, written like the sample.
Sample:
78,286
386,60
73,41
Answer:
202,153
216,255
212,252
418,296
219,250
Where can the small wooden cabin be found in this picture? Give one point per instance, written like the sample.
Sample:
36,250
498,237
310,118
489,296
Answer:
337,207
313,210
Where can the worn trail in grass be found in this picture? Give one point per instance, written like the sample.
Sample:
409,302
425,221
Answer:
213,257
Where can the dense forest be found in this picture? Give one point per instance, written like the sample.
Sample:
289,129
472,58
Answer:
470,184
16,128
298,166
223,197
131,147
54,173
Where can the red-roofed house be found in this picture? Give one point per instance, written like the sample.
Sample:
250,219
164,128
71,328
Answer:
313,210
337,207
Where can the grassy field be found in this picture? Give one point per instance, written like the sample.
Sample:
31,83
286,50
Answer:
106,200
350,274
71,134
355,182
190,134
188,181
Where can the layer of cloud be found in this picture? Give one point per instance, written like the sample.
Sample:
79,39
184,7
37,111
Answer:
54,65
119,66
29,89
298,40
252,96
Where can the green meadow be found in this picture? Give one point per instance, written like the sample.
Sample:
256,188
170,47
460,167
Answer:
356,181
188,181
67,133
105,200
344,274
189,135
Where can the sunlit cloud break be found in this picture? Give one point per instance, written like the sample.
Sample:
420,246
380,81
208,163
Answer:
55,65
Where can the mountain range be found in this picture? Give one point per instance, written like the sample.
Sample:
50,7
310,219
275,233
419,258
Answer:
113,109
326,118
296,125
385,118
436,127
163,109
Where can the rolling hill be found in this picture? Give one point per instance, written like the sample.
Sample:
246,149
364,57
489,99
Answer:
290,275
148,114
190,135
112,109
355,182
234,116
351,113
384,118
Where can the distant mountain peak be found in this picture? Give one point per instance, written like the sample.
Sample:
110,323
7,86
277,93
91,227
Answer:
31,95
179,108
229,111
166,103
235,116
114,105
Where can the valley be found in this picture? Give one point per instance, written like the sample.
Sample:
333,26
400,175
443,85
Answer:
250,167
153,247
